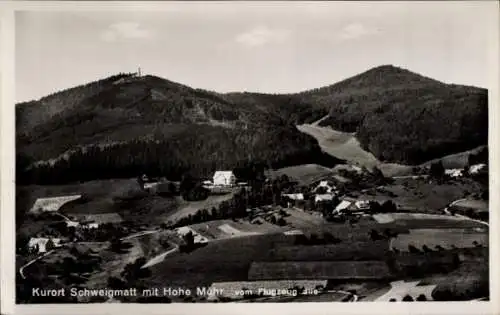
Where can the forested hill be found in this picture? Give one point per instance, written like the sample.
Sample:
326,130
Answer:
102,126
127,124
398,115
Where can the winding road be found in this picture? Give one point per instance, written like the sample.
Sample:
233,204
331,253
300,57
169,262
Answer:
21,270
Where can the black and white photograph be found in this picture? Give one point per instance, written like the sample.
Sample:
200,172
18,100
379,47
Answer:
253,152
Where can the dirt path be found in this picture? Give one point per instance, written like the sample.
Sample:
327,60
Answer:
159,258
463,216
139,234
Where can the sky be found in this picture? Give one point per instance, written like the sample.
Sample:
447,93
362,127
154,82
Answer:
273,47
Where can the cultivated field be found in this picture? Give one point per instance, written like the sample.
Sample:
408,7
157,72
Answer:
222,260
221,229
360,270
345,146
347,251
446,238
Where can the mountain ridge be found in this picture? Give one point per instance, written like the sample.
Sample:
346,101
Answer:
373,104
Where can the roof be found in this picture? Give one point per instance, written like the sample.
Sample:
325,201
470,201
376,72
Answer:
223,173
53,203
323,197
299,196
476,167
344,204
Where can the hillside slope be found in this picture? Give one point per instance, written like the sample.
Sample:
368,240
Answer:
397,115
400,116
122,126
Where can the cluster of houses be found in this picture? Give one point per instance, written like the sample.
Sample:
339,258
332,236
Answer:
326,191
52,205
459,172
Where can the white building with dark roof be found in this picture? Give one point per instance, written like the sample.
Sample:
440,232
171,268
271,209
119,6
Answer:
296,196
224,178
323,197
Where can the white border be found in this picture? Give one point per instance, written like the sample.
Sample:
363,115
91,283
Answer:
7,197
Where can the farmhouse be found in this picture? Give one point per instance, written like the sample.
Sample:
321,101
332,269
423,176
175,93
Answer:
298,196
474,169
224,178
323,197
198,238
363,204
149,186
43,244
90,225
454,172
70,223
52,203
342,206
328,187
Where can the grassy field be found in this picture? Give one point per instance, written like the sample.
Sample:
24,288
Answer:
304,174
299,219
446,238
409,216
122,196
319,270
93,190
458,160
186,208
345,146
477,205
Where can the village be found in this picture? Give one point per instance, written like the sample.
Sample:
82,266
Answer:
277,203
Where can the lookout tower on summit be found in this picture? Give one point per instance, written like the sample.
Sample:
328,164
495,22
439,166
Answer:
139,71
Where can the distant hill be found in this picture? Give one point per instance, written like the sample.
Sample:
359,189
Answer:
125,125
397,115
404,117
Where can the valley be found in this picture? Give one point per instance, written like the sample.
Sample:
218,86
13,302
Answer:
349,192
